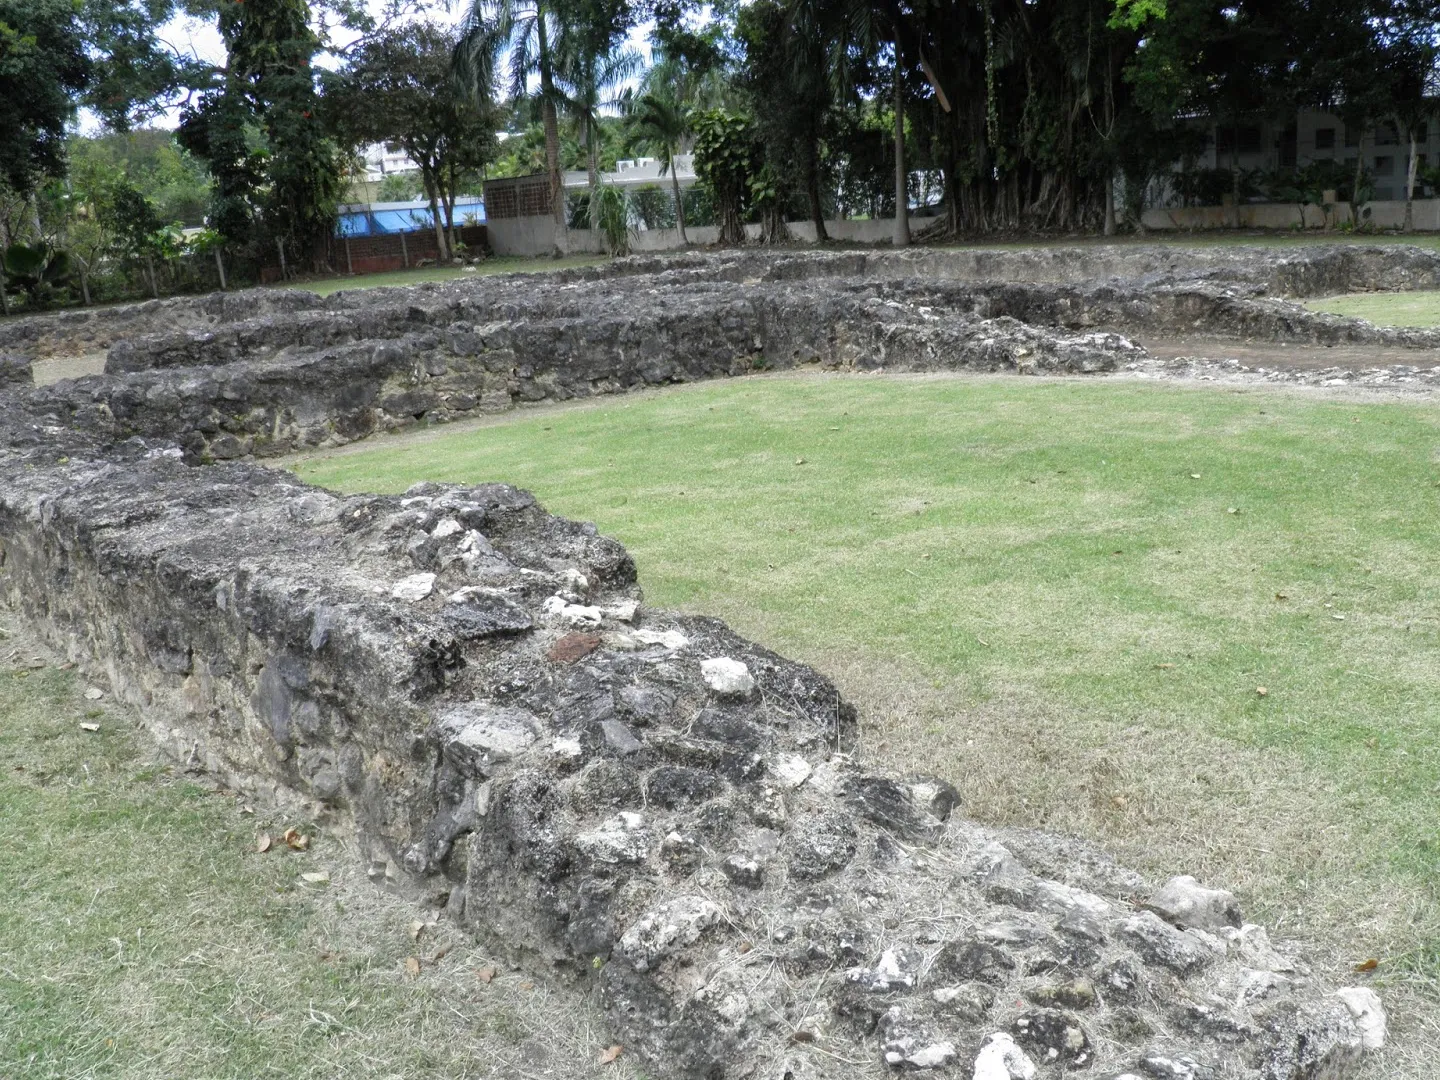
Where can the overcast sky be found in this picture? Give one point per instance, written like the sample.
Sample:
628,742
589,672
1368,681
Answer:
200,38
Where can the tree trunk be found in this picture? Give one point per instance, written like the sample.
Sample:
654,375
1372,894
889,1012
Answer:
155,287
679,203
1109,201
432,192
4,295
552,136
812,190
280,246
592,179
448,197
1235,176
1410,187
731,229
1359,174
902,188
84,281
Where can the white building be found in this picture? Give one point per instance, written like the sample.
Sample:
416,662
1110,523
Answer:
382,161
637,172
1312,136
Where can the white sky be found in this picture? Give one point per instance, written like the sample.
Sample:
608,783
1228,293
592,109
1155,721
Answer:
200,38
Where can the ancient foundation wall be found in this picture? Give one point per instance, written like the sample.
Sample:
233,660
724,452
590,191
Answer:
645,803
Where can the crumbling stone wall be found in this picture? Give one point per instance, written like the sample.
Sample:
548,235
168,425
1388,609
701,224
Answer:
477,693
272,375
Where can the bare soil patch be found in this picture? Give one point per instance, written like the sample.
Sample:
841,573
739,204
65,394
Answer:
1289,357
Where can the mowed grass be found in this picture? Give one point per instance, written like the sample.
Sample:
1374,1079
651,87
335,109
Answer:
143,936
1066,596
1421,308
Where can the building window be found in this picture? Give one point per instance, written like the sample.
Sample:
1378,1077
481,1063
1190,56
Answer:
1387,134
1244,139
1422,132
1352,135
1385,166
1324,138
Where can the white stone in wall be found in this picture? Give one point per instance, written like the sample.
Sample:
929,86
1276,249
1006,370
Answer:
1368,1014
727,677
414,588
667,929
1001,1059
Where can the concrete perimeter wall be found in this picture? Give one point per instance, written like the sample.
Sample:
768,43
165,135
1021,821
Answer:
1384,215
536,235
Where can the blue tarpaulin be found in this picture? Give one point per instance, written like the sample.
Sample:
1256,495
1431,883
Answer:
379,219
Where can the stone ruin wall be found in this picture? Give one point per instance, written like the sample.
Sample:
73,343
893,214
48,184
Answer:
270,372
475,692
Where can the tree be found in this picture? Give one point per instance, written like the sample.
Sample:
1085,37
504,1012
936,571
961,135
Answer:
223,131
590,82
786,76
1409,55
658,124
398,89
43,70
522,31
258,126
725,163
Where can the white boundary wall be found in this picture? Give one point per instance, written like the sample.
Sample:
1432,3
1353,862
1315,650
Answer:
1388,214
536,235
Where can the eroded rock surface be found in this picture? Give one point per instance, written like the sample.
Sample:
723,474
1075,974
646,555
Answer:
476,692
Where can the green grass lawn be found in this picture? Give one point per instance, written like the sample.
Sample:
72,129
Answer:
494,265
143,936
1065,595
1386,309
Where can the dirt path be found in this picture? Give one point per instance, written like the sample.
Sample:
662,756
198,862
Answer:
1288,357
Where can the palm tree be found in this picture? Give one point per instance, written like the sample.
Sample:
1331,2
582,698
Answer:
657,122
522,31
590,83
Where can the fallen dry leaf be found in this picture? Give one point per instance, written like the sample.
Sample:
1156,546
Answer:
1120,801
1194,476
1164,667
802,1036
527,986
485,974
1367,965
799,461
412,966
1261,691
295,840
416,929
89,727
440,955
263,844
94,694
1282,596
319,877
609,1055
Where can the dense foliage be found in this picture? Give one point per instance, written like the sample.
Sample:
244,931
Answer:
980,115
